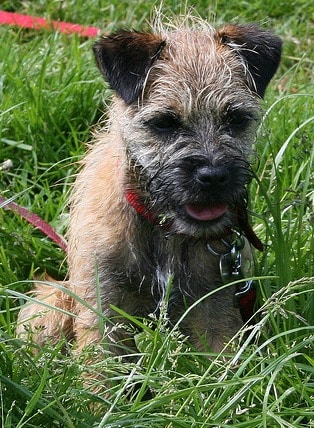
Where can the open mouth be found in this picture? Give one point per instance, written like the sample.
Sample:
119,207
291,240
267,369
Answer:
205,212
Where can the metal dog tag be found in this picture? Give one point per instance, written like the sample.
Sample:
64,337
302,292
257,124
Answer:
231,263
230,268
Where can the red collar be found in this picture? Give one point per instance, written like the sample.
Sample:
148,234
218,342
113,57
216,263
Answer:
135,201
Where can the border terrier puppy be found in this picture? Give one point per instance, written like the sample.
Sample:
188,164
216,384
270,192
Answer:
162,192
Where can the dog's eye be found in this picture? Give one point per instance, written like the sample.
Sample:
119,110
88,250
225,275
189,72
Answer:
239,119
165,123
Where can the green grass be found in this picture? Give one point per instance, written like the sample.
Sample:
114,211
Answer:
51,96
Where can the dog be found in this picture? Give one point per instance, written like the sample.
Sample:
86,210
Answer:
159,207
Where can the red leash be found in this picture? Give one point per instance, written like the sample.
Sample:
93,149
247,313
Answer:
34,220
36,23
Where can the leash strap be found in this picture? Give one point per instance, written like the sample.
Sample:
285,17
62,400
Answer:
37,23
34,220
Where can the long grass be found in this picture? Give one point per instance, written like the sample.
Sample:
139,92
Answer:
51,97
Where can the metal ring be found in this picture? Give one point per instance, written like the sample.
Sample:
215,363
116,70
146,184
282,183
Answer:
238,238
211,250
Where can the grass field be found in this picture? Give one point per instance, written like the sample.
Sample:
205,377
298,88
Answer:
51,96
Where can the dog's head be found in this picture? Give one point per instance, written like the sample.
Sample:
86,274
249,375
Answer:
189,109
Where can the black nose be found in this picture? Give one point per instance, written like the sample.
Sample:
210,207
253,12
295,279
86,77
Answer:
210,176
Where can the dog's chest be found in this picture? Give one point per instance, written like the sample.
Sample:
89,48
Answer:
177,262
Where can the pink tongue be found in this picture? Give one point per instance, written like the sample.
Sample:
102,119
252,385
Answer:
205,212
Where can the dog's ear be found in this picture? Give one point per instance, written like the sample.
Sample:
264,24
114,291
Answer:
124,58
260,49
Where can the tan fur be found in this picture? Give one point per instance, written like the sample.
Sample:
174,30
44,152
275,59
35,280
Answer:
60,324
186,104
